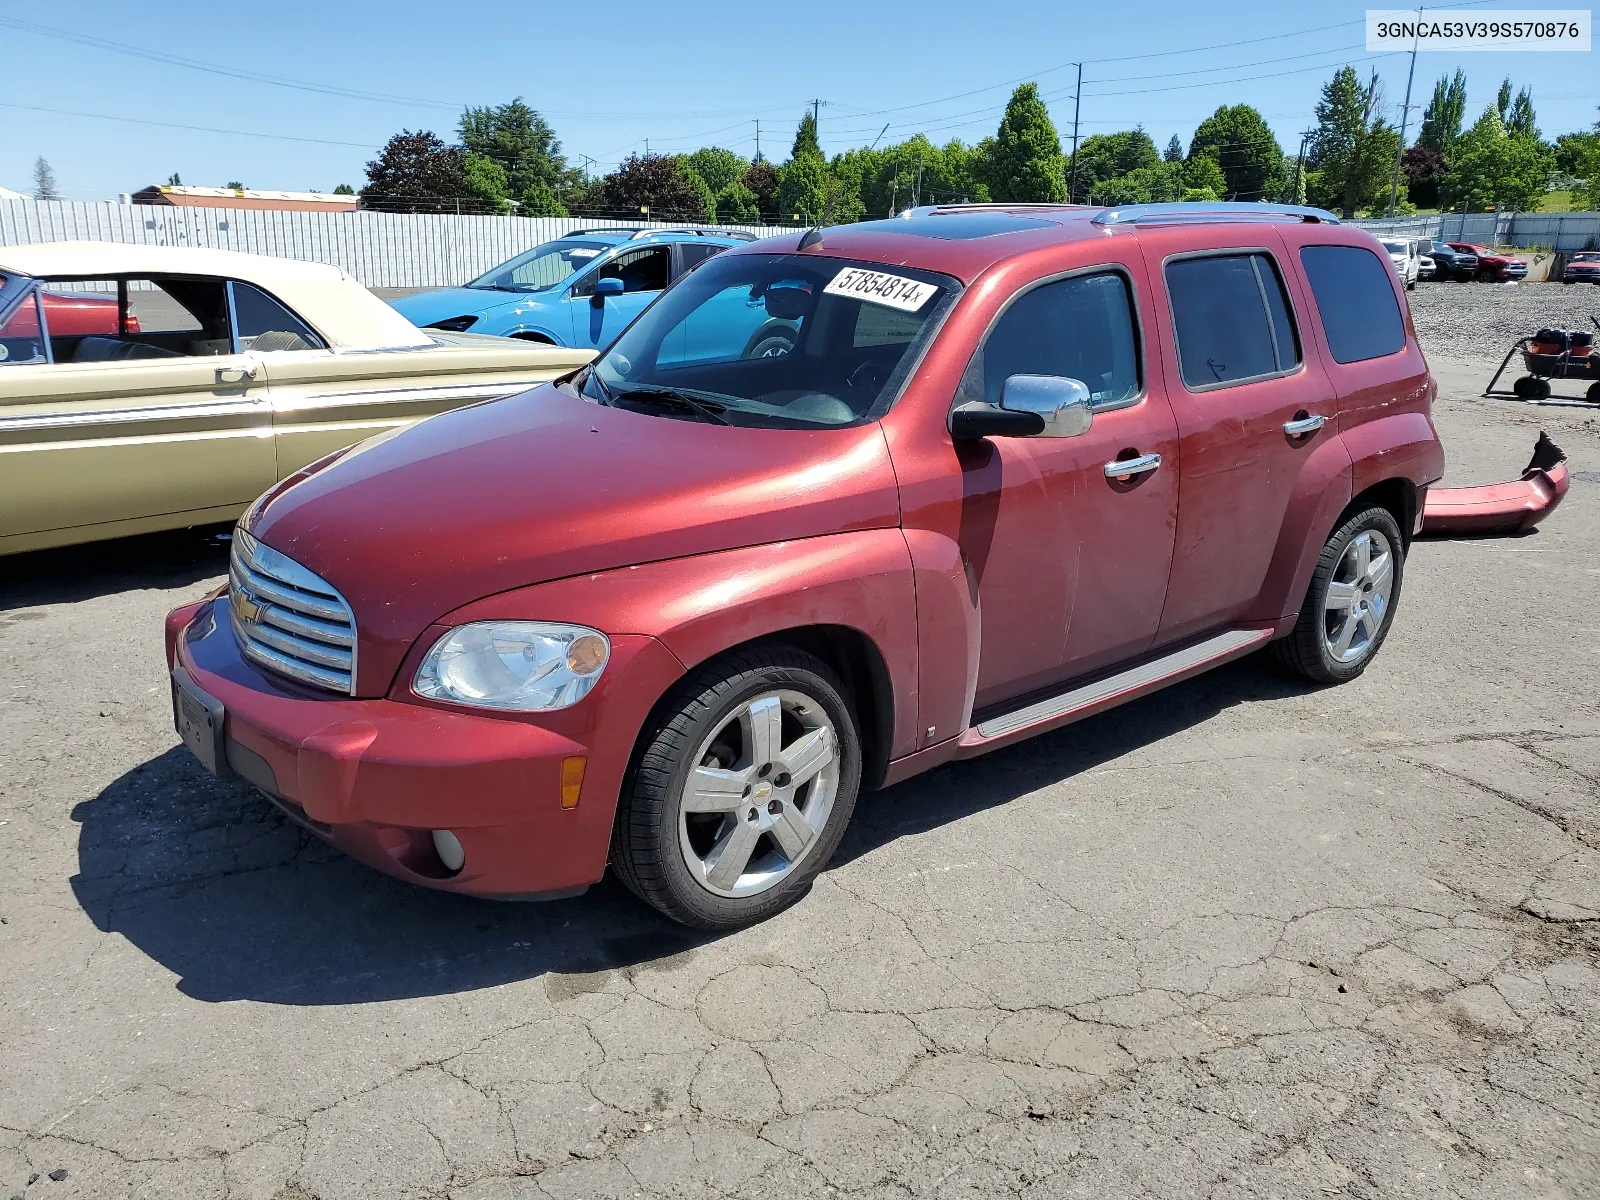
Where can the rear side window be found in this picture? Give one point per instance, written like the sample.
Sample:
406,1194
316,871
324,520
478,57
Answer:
692,254
1231,318
1359,312
1078,328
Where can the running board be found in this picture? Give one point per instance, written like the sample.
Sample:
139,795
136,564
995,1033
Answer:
1126,685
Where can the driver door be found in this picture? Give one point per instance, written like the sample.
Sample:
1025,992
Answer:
597,319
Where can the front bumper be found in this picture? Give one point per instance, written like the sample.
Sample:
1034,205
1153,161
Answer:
376,777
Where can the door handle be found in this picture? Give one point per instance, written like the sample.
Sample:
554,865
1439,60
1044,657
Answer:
249,367
1123,467
1301,426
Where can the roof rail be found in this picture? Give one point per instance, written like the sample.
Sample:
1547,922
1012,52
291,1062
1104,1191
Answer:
1155,214
707,231
601,229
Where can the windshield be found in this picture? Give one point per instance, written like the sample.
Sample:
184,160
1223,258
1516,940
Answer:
543,267
1395,247
782,340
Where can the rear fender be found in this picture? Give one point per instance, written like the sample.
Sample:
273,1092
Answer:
1401,446
1321,492
704,605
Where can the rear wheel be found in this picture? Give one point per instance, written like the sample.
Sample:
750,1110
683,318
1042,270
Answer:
1593,394
1350,603
742,791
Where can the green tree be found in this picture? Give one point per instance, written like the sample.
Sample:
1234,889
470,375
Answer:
486,180
520,141
1107,156
805,137
1352,150
539,200
416,172
1494,167
1502,101
1025,163
738,205
1174,152
1116,192
234,185
1244,147
708,198
1202,173
1572,149
1590,164
718,167
762,180
802,188
1203,195
1441,120
344,189
1522,119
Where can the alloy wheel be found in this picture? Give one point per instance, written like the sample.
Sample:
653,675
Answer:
757,800
1358,597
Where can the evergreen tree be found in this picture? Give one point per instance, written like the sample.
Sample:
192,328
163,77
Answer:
1025,162
805,137
1174,152
1441,120
1246,150
1495,167
1201,173
1522,119
1502,101
1108,156
802,189
1352,150
44,181
738,205
520,141
344,189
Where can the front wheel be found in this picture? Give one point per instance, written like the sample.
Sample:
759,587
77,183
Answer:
742,790
1350,603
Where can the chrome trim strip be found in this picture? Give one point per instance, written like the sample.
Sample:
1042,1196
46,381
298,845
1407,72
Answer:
309,627
263,586
116,416
1089,694
300,648
288,619
333,681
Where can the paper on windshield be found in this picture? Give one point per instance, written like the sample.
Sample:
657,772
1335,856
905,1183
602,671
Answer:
879,287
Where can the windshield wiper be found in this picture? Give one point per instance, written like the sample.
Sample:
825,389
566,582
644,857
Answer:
710,411
605,392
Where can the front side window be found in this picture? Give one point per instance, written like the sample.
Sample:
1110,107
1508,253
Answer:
644,270
1078,328
1355,299
781,340
22,334
1231,318
543,267
262,323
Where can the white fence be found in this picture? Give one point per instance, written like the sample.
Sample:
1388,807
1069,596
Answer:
387,250
1558,231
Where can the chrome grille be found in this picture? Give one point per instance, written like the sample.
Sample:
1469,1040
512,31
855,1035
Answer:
288,619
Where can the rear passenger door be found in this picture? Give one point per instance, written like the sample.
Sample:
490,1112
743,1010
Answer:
1250,409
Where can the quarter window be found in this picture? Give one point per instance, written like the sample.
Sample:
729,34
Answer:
1231,318
1079,328
1355,299
263,324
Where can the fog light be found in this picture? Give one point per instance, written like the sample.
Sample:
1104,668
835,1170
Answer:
448,847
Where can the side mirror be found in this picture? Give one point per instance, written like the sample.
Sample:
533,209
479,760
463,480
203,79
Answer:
609,286
1030,406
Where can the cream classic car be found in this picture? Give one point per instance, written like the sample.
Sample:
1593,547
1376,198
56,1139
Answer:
154,387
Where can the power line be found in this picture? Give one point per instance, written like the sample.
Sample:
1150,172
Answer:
281,137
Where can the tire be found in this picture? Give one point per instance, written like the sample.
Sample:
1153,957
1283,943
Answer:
1525,387
1412,286
1311,649
680,860
772,340
1541,389
1593,394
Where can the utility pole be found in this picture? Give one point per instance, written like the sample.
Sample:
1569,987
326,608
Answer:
1077,104
1300,165
916,196
758,139
1405,113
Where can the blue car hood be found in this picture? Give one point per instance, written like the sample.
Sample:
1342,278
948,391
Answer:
423,308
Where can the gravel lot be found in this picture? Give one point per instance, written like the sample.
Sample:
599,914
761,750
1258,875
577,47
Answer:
1477,322
1240,939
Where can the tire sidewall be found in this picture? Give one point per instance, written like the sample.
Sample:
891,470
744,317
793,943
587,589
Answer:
1382,520
724,912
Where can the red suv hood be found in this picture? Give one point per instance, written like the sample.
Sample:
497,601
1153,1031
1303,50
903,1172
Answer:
544,485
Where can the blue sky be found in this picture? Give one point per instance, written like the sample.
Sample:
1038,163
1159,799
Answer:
611,77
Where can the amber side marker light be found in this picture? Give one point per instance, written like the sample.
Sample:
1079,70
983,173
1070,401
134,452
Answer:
572,779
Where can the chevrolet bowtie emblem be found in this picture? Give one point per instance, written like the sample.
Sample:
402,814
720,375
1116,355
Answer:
245,607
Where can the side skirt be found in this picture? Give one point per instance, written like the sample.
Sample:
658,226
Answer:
1084,700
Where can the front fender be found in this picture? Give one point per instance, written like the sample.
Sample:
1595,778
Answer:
700,606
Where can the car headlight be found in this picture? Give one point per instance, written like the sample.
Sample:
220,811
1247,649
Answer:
521,666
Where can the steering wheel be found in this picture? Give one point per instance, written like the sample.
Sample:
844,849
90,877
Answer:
868,376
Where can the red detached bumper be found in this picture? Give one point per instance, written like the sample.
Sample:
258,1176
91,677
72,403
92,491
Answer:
376,777
1501,507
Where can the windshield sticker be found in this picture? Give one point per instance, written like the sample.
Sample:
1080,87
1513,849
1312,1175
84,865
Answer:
876,287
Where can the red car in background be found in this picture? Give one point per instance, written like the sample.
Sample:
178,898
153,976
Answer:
1583,267
1014,465
83,314
1494,265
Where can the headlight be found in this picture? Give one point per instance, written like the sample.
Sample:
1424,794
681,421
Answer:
523,666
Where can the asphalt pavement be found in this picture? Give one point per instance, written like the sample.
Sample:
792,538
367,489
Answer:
1244,938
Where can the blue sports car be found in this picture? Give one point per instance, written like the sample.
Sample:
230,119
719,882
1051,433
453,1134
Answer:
580,290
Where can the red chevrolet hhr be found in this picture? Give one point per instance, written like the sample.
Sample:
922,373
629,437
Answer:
837,508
